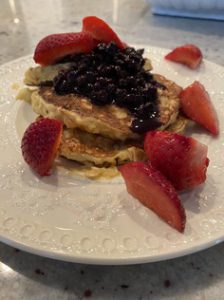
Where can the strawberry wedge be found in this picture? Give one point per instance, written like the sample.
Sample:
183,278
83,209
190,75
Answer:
182,160
189,55
196,105
55,46
40,144
153,190
101,31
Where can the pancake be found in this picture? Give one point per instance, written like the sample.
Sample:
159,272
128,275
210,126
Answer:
97,150
93,149
110,120
39,75
179,125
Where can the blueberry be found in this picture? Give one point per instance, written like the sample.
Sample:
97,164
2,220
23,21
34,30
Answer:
89,88
119,97
131,65
97,86
148,76
82,67
108,71
63,88
101,47
57,80
123,83
100,69
81,81
120,62
76,90
134,90
112,48
131,81
100,97
90,77
140,81
152,94
129,50
132,100
140,51
111,88
102,81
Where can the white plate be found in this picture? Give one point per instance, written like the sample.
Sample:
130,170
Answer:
74,219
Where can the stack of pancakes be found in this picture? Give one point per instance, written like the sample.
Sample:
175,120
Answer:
97,135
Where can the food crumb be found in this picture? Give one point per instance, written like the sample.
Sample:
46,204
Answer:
196,268
15,86
124,286
88,293
167,283
39,272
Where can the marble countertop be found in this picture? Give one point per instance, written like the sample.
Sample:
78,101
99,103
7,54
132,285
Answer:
26,276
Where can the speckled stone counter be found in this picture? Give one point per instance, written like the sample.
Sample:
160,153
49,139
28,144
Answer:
26,276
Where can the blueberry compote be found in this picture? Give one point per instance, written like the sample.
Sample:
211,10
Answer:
109,75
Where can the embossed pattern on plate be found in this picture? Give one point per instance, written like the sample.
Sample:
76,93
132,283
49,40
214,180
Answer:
71,218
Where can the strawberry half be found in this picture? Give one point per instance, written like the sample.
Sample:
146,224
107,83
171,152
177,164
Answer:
40,144
189,55
55,46
101,31
153,190
197,105
182,160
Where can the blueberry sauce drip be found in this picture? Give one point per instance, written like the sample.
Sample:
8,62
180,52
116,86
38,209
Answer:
109,75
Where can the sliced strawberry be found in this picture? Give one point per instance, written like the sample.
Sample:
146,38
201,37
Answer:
101,31
153,190
55,46
189,55
197,105
181,159
40,143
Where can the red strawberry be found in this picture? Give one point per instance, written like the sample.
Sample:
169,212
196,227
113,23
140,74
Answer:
55,46
101,31
189,55
183,160
153,190
197,105
40,143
